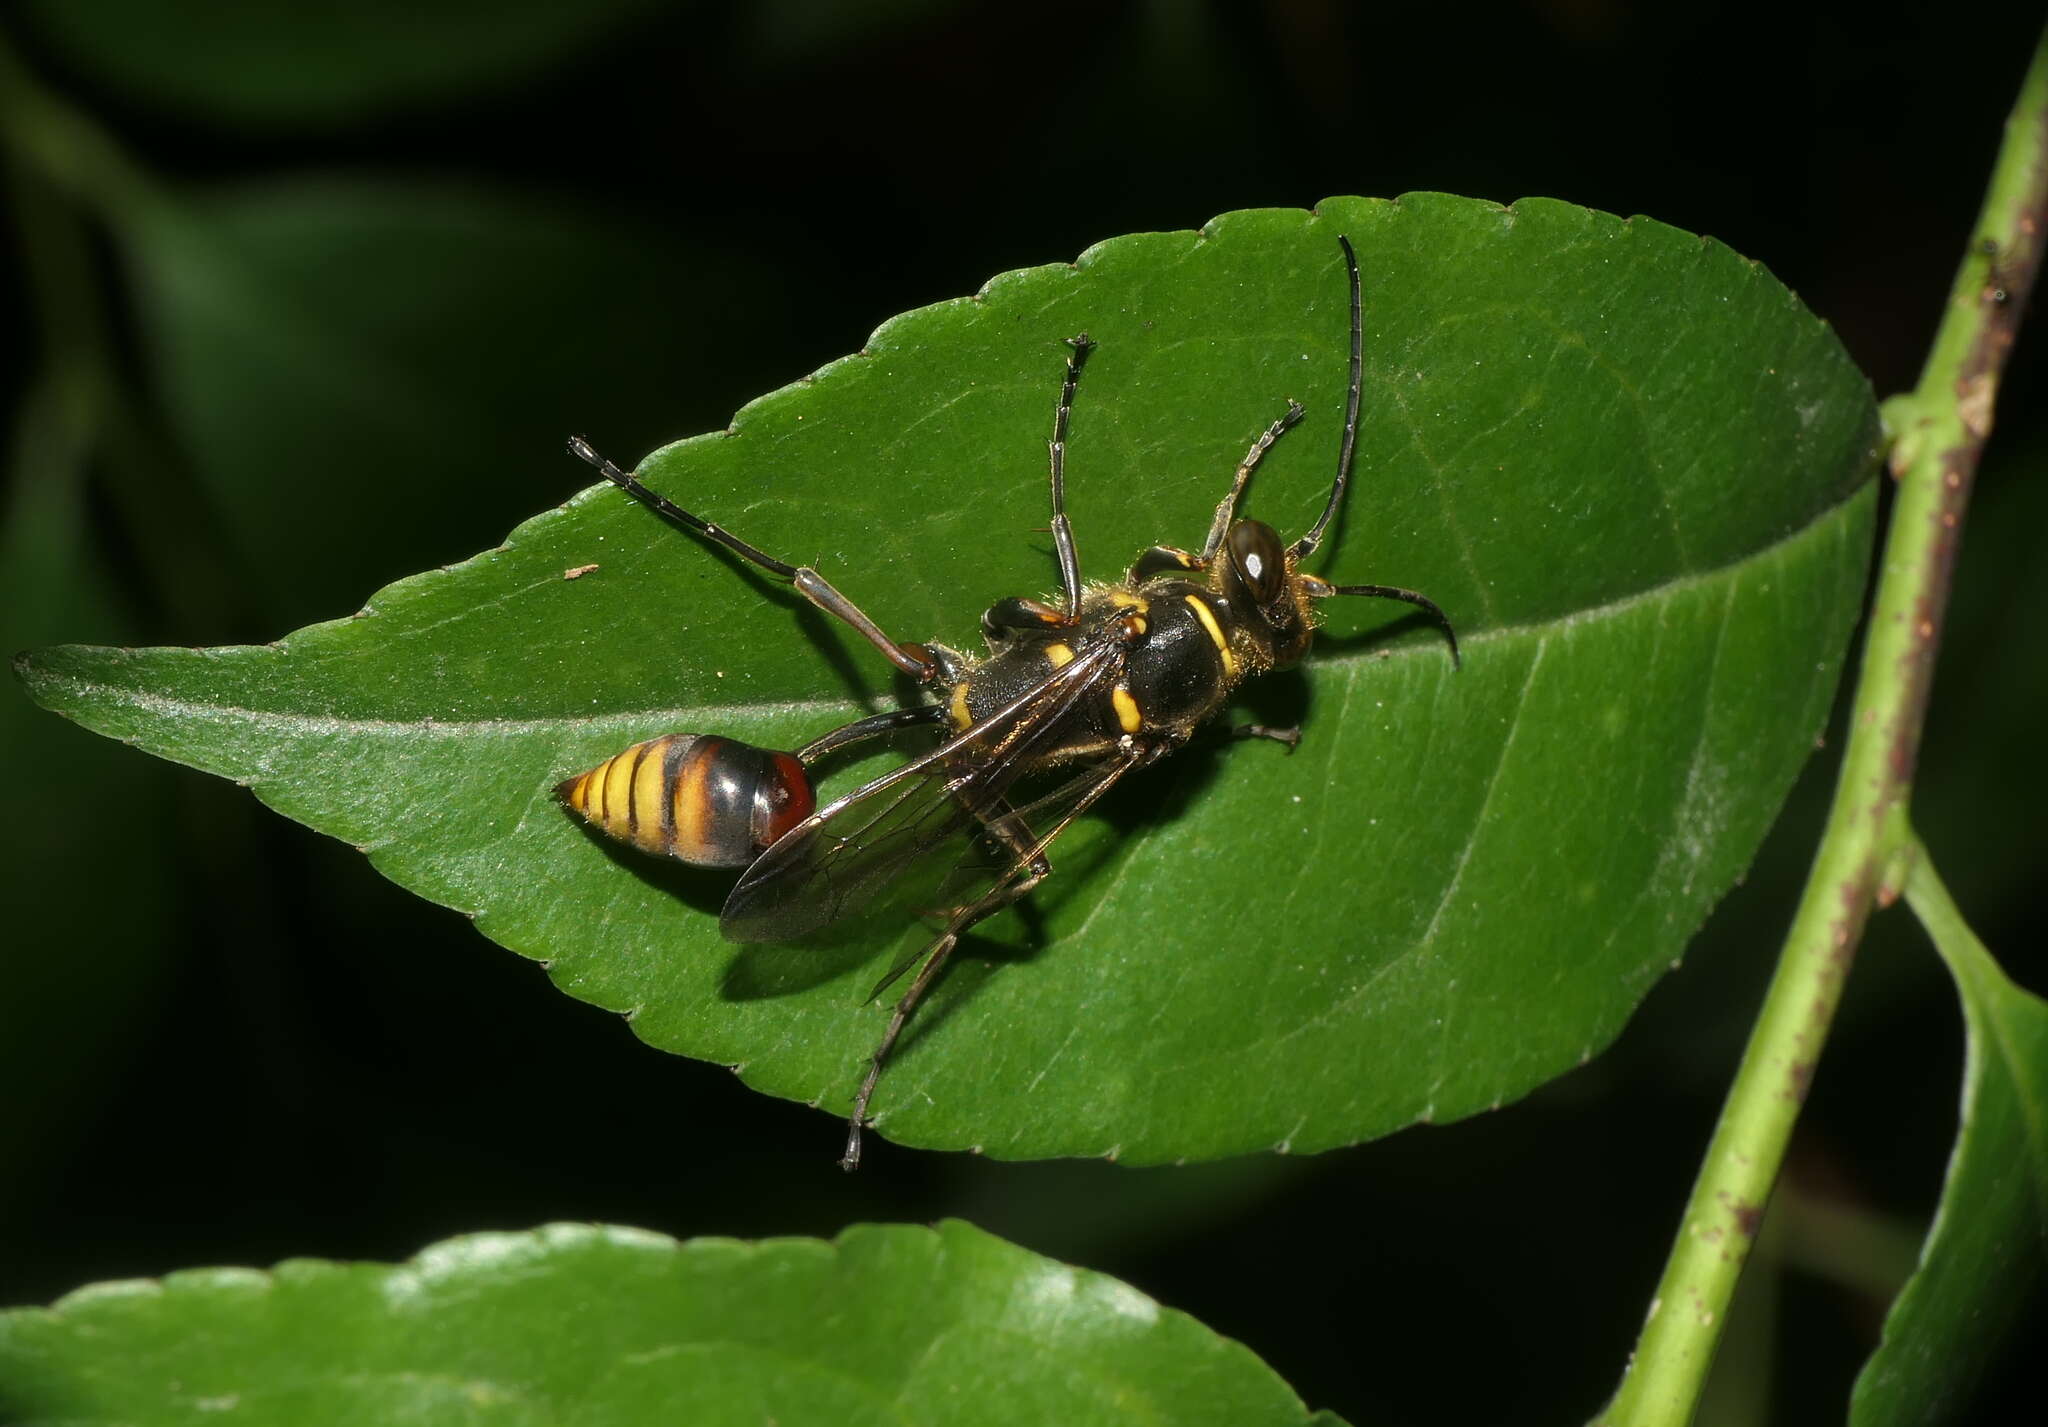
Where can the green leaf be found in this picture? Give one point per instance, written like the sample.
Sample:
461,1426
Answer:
594,1325
1988,1245
250,62
1630,465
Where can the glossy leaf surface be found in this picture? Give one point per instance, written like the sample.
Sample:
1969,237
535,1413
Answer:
1629,464
593,1325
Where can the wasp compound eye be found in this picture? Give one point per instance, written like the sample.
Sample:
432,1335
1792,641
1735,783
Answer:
707,801
1260,563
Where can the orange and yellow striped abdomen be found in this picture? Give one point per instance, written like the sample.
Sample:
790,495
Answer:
707,801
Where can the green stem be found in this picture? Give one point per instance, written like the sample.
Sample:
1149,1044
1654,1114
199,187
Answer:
1939,431
1969,960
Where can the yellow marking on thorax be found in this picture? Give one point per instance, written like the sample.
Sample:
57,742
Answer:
1129,716
958,708
1208,618
1059,655
1124,599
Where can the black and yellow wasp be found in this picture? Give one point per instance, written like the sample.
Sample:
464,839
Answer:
1075,692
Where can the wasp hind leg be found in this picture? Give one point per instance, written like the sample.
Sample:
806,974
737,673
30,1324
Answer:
913,659
1007,827
1036,870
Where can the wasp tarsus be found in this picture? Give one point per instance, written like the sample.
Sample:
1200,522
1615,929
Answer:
1073,693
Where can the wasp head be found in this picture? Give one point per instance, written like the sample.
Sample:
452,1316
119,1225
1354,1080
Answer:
1256,576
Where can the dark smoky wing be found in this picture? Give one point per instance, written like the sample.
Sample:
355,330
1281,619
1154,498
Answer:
822,872
915,833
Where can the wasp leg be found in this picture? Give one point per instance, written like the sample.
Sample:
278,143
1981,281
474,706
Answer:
1162,560
913,659
1226,509
1323,589
1030,869
1019,613
1056,449
873,726
1289,736
1036,870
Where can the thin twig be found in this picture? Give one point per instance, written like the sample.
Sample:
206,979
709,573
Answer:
1939,431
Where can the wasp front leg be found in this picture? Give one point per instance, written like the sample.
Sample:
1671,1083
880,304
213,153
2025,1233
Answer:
1163,560
1015,613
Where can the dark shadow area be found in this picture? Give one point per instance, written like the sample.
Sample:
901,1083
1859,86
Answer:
702,889
1383,633
852,661
763,970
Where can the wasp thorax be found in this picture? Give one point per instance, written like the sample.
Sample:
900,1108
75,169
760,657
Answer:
707,801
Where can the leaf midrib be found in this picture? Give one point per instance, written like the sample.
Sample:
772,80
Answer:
40,680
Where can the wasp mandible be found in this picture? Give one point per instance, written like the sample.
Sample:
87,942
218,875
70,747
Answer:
1074,693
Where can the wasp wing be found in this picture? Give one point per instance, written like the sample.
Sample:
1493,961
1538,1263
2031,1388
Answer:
1015,837
927,817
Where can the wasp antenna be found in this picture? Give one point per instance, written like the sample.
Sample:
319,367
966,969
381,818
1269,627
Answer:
1317,589
1306,546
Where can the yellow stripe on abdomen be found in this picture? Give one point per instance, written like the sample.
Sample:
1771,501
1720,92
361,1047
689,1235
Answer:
616,798
647,833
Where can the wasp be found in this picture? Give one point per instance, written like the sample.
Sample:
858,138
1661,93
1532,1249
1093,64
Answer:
1076,691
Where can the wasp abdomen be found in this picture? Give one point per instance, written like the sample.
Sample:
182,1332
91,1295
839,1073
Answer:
708,801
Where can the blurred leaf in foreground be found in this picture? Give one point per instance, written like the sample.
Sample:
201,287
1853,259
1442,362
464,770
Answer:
594,1325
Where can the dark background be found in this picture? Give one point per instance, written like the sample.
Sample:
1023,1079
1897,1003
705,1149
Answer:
231,1042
